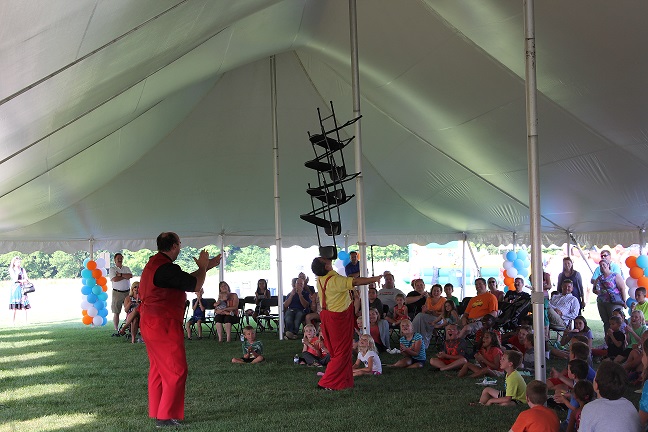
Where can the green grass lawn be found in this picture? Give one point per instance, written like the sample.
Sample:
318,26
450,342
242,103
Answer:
68,377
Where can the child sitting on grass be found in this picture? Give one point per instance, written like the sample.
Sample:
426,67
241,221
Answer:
633,337
576,371
559,380
411,346
614,339
488,358
453,355
528,358
488,321
580,329
515,392
538,417
313,352
252,348
584,394
368,362
515,340
611,411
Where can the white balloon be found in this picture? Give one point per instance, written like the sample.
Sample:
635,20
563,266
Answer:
508,265
339,267
85,304
98,320
631,292
631,283
92,311
512,272
103,272
504,256
101,263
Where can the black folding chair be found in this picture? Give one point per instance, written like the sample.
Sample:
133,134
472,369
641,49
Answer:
266,319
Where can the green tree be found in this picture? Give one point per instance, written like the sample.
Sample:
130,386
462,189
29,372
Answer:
38,266
389,253
136,260
247,258
66,266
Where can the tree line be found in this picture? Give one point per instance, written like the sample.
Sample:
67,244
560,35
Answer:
62,265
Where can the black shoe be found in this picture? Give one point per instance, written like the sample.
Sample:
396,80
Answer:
116,334
167,423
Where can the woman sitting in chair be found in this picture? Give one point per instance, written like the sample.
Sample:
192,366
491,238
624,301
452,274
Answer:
225,311
262,292
131,305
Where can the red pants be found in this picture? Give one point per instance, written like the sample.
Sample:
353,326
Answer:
168,366
337,329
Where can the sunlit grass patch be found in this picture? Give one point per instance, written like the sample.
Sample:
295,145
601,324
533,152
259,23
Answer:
31,391
27,357
49,422
25,343
24,334
30,371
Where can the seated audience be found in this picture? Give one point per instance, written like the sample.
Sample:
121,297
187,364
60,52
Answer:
387,294
482,304
252,348
295,306
411,346
538,417
368,362
515,387
453,355
225,311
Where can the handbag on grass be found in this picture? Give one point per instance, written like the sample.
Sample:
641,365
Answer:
28,288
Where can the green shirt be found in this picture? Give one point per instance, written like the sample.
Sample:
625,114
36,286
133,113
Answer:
515,386
257,347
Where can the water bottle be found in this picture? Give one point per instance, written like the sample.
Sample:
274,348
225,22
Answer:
242,337
296,359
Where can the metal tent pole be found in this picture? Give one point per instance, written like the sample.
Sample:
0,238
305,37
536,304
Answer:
463,267
277,201
537,297
362,233
221,268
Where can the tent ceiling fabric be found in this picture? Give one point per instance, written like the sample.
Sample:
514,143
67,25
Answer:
119,120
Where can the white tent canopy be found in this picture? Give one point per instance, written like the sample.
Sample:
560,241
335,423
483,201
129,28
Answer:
122,119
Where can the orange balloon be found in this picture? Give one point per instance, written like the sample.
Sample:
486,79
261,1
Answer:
636,272
642,282
87,320
84,312
506,275
104,288
91,265
511,287
509,281
101,281
96,273
631,261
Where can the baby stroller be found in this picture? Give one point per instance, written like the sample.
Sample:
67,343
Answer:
515,306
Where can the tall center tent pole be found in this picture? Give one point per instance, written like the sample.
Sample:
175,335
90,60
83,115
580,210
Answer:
221,267
277,201
537,298
362,233
463,266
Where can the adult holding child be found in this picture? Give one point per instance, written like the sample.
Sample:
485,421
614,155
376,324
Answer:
611,292
162,291
433,308
482,304
337,318
18,299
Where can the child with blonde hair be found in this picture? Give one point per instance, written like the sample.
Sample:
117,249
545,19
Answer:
400,311
368,362
252,348
411,346
313,352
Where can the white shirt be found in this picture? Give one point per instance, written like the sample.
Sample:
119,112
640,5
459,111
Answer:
364,358
567,304
122,285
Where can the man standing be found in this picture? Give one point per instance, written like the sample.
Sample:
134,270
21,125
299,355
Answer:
120,276
563,308
337,317
162,291
353,268
483,303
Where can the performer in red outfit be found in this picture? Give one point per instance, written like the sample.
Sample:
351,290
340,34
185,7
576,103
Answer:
337,319
162,291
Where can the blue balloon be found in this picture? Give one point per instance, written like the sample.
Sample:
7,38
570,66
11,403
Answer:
92,298
518,264
86,273
103,312
103,323
642,261
91,281
86,261
102,296
99,305
526,263
524,272
343,255
631,301
346,261
85,290
96,290
511,256
522,254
